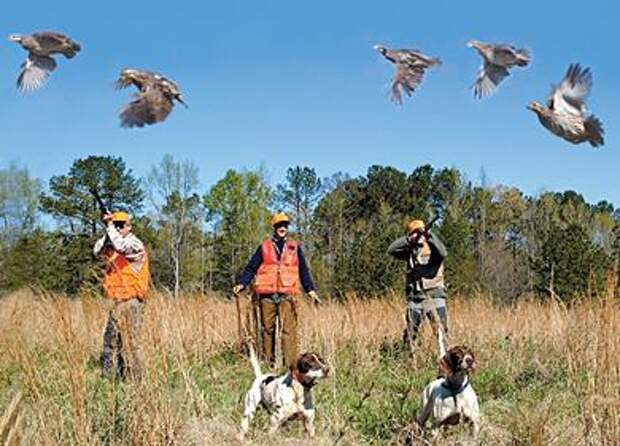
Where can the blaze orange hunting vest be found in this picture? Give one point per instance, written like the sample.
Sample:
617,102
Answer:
122,281
278,276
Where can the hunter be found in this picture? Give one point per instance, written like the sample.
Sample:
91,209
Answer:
126,283
279,267
424,253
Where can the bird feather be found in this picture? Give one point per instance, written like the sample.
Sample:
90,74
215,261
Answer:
489,77
35,71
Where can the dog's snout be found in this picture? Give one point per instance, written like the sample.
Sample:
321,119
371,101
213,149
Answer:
469,361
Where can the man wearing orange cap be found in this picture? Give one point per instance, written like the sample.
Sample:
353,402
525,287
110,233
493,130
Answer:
424,253
126,282
280,267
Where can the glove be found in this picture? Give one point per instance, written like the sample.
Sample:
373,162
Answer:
238,288
314,296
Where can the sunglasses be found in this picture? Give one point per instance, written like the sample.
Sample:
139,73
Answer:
281,225
119,224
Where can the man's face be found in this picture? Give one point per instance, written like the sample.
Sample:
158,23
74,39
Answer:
417,237
123,227
281,230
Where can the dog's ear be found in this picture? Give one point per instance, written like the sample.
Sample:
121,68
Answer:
303,364
445,365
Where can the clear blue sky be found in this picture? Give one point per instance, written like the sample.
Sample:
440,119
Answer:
285,83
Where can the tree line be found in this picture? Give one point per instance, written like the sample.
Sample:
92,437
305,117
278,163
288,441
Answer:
500,241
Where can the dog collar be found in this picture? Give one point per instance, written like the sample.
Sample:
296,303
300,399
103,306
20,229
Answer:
455,391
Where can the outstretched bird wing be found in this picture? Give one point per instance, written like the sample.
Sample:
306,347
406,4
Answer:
407,79
569,97
149,107
489,77
35,71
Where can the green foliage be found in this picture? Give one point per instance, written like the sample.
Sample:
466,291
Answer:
238,210
499,241
298,196
19,198
571,263
178,215
70,198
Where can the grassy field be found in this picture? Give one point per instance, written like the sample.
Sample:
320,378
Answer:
548,374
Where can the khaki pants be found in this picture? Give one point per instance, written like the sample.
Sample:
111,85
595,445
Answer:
120,340
288,322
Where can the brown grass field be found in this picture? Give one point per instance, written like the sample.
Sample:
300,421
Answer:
548,374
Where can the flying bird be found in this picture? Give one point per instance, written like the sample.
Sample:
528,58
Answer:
39,64
154,100
410,68
497,59
566,113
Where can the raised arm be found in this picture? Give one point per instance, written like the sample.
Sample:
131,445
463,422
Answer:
437,246
130,246
400,248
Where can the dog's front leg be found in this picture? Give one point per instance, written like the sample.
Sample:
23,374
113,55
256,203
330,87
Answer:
475,427
276,420
309,422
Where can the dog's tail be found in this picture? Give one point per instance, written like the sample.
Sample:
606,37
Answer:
441,338
254,360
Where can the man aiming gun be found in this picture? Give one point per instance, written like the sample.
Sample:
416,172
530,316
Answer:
126,282
424,253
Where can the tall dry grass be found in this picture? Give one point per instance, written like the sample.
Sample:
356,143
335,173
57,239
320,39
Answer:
548,375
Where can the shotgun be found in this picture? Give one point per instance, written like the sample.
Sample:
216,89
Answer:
102,206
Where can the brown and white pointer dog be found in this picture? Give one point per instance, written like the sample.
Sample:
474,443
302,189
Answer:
451,399
286,396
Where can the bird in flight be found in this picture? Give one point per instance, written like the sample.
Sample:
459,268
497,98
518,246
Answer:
410,68
154,100
566,114
41,46
497,60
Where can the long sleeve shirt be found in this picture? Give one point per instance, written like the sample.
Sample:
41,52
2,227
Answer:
424,269
129,246
257,260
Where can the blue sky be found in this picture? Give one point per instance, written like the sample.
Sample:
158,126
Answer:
284,83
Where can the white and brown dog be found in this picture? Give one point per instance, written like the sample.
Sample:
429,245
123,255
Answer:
451,399
286,396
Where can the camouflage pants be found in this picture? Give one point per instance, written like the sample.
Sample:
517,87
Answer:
287,312
417,310
120,340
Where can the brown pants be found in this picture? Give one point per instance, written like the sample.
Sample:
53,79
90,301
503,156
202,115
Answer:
288,323
120,340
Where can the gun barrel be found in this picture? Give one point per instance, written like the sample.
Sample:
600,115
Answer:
430,224
102,207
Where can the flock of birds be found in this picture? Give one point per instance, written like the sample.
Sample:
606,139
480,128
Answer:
565,113
156,94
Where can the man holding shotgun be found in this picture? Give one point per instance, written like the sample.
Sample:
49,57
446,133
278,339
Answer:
126,282
280,268
424,253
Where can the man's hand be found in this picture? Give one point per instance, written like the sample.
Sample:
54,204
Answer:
107,218
314,296
238,288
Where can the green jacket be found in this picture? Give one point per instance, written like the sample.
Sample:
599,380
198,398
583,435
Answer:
424,273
